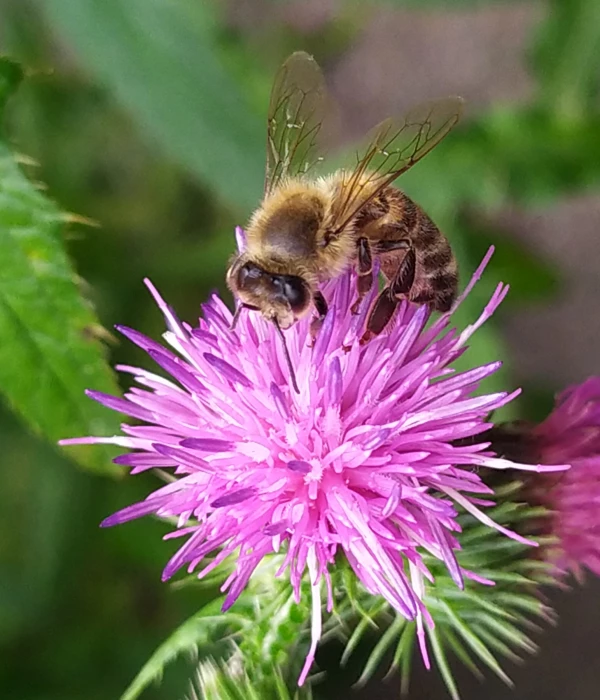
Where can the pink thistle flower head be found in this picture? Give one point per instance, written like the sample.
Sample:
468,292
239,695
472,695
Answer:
362,460
571,434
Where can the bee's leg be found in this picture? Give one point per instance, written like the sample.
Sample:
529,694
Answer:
386,303
405,276
321,308
380,315
364,281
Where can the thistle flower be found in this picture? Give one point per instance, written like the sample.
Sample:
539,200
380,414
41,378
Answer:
361,461
571,434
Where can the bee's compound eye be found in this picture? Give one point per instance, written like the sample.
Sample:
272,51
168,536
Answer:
296,293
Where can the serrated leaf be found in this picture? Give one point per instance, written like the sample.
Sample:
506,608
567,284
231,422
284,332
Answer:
199,630
160,59
48,351
254,652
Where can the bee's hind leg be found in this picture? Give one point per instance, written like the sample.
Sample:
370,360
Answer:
386,303
364,281
317,321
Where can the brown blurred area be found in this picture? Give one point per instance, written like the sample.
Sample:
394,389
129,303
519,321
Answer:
481,54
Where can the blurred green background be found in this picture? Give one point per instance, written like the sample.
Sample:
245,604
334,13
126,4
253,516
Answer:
147,117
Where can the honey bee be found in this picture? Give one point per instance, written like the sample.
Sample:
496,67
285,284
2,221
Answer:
310,228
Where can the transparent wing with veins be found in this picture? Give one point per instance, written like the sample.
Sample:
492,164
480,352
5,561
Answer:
393,147
295,116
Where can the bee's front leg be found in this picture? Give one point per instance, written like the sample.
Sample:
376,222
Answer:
386,303
364,281
321,309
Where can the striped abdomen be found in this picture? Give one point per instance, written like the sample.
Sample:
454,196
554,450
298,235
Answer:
392,222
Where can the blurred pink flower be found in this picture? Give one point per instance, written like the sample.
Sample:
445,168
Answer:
362,460
571,434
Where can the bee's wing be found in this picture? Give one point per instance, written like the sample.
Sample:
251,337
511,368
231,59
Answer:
296,112
392,148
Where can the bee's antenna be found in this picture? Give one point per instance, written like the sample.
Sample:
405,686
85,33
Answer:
236,316
286,352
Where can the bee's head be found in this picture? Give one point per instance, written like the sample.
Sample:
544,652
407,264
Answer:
280,298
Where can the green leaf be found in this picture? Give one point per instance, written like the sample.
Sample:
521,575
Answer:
203,629
11,75
530,278
267,630
49,353
161,61
567,53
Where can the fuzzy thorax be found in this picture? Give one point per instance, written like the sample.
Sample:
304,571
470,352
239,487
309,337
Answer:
291,232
